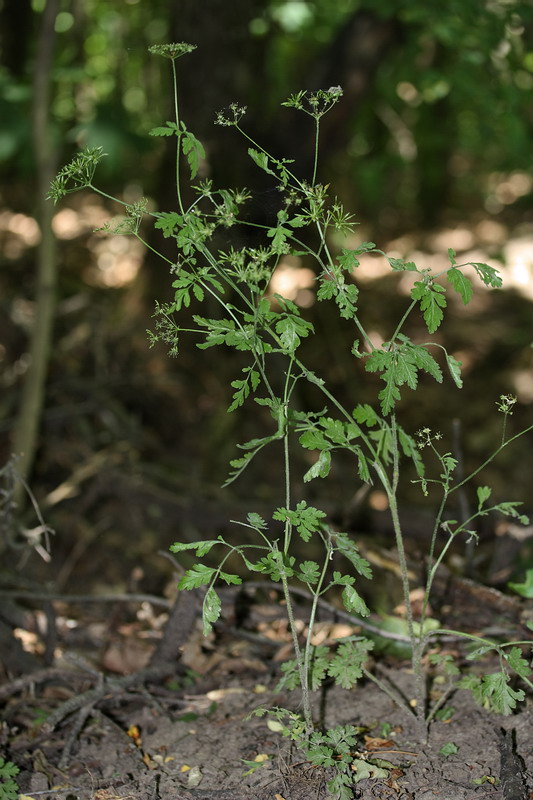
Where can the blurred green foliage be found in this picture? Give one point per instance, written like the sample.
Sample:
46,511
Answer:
446,106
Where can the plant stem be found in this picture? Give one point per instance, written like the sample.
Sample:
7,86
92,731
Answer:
417,644
490,458
317,137
178,133
304,676
397,699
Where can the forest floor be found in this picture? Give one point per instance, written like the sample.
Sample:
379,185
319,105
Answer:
95,724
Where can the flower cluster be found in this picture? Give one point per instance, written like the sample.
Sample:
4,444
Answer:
426,436
76,175
506,403
172,51
232,115
316,104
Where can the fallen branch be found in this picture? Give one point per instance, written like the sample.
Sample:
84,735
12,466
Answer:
109,687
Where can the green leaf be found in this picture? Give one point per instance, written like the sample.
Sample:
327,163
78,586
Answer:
365,414
170,129
290,678
455,369
384,360
261,159
199,575
489,275
517,662
256,521
210,610
364,247
510,510
448,749
320,468
314,440
306,519
432,301
362,467
8,769
483,494
198,292
277,566
342,580
340,786
349,550
336,430
319,665
405,370
201,547
399,264
493,691
524,589
389,395
230,579
461,284
367,770
291,329
346,667
299,221
501,696
424,360
309,572
194,151
353,602
243,387
279,239
167,222
348,259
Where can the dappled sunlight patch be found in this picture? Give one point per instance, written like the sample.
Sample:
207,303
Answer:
293,281
518,255
117,260
377,500
522,381
504,189
371,267
17,233
459,238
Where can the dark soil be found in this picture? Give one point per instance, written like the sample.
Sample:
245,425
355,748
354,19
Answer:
186,739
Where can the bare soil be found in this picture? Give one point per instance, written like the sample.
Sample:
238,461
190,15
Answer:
186,738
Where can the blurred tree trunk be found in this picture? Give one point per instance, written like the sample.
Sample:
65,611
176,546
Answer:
27,425
16,20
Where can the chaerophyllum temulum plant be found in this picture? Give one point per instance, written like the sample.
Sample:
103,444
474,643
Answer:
267,329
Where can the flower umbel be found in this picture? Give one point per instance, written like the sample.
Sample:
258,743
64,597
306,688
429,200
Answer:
77,174
231,115
172,51
316,104
425,436
506,403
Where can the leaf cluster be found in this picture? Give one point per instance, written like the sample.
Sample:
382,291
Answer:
8,786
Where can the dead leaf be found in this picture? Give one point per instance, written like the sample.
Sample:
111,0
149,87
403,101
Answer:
126,656
194,777
375,743
220,694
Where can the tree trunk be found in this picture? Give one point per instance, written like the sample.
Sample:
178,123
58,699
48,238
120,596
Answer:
28,421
